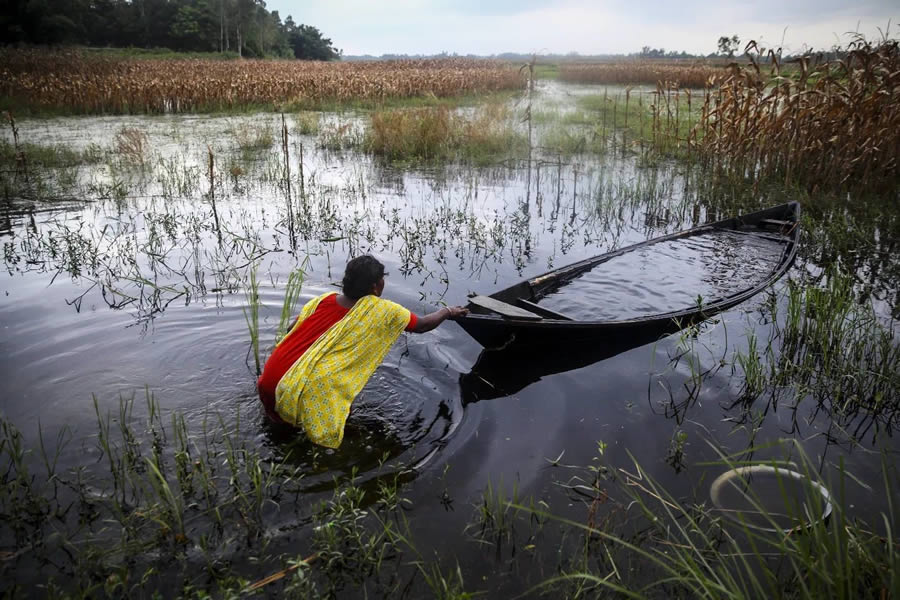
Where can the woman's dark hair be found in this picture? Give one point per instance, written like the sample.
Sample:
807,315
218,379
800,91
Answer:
360,275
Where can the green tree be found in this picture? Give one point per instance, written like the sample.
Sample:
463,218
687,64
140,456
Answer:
729,45
244,26
51,21
308,43
194,27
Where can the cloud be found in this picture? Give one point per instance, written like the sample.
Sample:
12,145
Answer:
498,8
587,27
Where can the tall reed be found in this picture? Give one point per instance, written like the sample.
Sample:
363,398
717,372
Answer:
251,315
291,297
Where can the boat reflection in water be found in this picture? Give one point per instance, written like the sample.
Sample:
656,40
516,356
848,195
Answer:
502,372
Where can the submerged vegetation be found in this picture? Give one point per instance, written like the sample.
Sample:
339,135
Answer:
829,346
437,134
673,547
656,123
174,506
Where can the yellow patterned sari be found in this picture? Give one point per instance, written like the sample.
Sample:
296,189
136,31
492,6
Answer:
318,389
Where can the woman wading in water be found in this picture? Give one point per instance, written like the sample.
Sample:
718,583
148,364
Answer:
316,371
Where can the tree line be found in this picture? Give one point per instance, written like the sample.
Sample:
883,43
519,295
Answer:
243,27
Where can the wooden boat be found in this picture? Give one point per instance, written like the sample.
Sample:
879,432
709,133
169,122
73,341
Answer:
513,316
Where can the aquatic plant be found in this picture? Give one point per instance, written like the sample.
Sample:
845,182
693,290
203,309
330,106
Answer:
444,586
25,155
649,122
428,134
132,145
292,291
687,548
251,315
675,456
830,347
340,135
174,497
252,137
416,133
307,122
194,498
494,516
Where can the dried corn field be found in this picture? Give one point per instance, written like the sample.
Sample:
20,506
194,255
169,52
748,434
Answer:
644,72
77,83
835,124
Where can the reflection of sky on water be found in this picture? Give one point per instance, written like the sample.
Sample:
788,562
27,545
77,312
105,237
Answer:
668,276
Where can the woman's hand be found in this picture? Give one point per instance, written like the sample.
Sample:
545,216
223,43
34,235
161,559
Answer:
430,321
456,311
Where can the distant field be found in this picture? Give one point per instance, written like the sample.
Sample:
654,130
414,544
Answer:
93,83
681,73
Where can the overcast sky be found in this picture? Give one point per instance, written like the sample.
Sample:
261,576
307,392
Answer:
598,27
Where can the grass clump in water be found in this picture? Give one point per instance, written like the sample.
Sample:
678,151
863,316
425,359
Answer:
291,297
43,171
250,138
308,122
830,347
132,145
339,135
568,141
49,156
484,136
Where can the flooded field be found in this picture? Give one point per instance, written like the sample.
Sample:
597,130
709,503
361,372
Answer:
127,324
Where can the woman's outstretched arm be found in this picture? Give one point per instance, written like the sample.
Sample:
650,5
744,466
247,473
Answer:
432,320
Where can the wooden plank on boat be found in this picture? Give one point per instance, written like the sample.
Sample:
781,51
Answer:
775,223
537,308
502,308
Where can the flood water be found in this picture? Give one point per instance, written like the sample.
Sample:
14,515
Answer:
120,283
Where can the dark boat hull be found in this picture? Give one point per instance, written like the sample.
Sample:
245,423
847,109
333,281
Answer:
496,331
500,333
